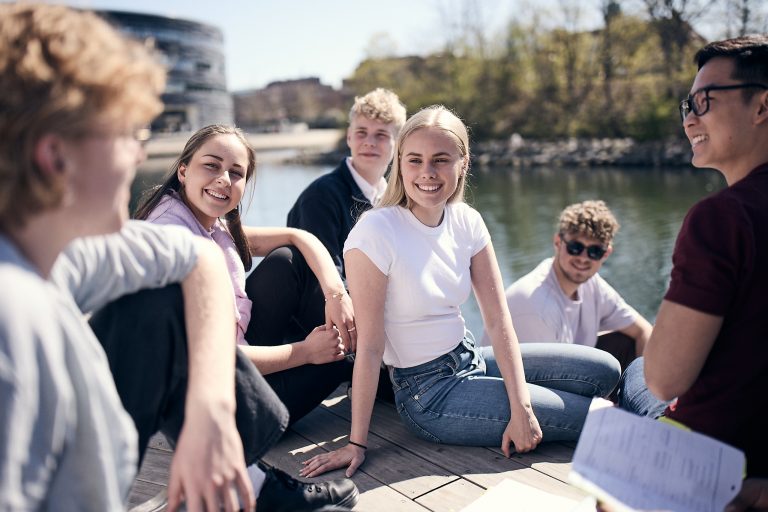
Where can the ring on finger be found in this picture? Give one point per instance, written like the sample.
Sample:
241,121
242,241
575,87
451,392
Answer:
350,329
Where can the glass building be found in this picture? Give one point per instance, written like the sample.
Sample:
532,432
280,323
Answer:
196,92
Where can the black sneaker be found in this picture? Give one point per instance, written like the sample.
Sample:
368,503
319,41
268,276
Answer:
282,493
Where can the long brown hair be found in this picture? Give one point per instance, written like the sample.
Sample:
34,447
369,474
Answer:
151,198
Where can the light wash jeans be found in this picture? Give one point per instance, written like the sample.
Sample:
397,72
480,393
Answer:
459,398
634,395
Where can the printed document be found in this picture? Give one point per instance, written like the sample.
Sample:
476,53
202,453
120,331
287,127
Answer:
631,462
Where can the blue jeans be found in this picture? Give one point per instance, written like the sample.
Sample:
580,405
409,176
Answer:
460,398
634,395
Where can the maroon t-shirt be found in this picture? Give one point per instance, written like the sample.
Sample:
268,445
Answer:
720,267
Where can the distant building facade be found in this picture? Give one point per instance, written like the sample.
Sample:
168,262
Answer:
196,93
289,102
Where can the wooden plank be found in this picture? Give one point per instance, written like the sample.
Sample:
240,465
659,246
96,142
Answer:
530,477
160,442
452,497
524,498
374,496
547,466
155,467
152,477
552,459
143,492
388,463
399,468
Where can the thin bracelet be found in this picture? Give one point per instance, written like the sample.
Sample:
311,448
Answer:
336,295
358,444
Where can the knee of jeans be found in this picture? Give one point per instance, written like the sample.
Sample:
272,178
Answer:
633,378
286,255
632,382
281,265
610,374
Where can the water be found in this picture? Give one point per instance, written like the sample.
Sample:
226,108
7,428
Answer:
520,208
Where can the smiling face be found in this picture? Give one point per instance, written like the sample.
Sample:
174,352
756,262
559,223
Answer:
431,166
214,180
722,138
571,271
372,145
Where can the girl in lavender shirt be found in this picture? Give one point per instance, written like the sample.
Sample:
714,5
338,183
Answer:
203,192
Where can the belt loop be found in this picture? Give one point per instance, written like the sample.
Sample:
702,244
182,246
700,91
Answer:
455,355
391,372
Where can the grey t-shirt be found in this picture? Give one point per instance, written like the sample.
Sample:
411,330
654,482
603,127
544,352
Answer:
541,312
65,441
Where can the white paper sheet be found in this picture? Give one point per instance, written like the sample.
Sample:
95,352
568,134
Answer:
645,464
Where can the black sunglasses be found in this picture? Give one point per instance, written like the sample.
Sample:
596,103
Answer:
698,102
575,248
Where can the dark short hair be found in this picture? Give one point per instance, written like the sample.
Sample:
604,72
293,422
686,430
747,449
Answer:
749,54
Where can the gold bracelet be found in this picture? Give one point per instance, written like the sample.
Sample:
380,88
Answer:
336,295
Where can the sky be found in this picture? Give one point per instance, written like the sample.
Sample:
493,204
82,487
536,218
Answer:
269,40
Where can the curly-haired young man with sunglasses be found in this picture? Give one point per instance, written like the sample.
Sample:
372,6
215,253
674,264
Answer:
709,347
565,300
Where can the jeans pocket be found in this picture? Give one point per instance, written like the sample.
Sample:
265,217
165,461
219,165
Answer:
424,381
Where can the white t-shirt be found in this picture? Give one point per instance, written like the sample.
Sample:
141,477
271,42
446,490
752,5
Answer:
428,277
541,312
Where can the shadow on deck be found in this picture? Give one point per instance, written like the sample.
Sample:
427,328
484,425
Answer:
400,473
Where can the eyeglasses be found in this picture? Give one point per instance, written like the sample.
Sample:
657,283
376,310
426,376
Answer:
698,102
575,248
142,135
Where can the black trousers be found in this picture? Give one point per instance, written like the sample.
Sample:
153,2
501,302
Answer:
620,346
145,340
287,304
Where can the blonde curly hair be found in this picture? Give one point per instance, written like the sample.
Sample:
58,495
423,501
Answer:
379,105
591,219
69,73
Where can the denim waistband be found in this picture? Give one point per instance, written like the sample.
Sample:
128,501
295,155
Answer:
452,358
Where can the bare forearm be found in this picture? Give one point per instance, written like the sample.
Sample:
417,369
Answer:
276,358
209,313
640,331
677,349
489,291
264,240
641,341
507,353
319,261
365,380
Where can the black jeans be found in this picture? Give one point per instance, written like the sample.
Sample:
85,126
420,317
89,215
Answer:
287,304
145,340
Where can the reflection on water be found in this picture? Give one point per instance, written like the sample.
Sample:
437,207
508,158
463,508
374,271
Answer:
520,208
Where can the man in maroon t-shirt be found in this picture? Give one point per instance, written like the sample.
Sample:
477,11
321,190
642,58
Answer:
709,346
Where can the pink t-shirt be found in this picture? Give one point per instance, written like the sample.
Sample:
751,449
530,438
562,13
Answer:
172,210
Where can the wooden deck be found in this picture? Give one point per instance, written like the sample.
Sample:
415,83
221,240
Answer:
401,472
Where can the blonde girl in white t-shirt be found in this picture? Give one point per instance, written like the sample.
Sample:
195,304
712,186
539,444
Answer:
411,262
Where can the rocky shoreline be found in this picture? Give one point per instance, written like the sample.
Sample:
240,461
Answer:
327,147
517,152
521,153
